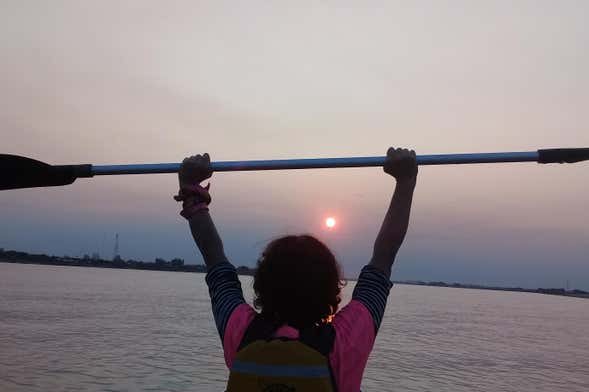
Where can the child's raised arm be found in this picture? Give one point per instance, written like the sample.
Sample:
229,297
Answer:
401,164
224,286
195,200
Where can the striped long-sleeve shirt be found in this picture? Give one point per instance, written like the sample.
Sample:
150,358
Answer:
355,325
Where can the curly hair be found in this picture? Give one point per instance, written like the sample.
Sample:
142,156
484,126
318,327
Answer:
297,282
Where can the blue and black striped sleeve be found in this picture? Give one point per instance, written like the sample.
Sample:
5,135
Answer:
372,289
225,291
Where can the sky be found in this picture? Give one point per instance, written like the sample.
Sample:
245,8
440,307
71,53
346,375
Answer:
154,81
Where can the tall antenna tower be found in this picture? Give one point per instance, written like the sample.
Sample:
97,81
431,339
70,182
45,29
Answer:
116,255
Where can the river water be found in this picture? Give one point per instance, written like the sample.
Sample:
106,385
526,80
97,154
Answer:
90,329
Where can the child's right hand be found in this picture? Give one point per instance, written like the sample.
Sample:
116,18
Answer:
194,170
401,164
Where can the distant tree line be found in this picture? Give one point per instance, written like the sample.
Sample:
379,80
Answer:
160,264
553,291
12,256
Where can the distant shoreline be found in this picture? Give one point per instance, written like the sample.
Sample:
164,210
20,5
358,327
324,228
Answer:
174,265
549,291
177,265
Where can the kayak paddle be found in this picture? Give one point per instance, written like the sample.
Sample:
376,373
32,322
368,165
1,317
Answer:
21,172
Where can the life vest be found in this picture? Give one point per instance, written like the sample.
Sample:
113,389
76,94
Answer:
276,364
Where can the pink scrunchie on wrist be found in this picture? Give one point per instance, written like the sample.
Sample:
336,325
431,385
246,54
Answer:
190,212
194,198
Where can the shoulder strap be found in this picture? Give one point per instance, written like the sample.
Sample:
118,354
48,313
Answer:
320,338
259,329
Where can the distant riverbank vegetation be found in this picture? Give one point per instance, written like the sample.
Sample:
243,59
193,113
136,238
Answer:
159,264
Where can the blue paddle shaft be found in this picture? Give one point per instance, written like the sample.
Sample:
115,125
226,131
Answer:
321,163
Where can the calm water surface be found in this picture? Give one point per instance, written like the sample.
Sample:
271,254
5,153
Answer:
87,329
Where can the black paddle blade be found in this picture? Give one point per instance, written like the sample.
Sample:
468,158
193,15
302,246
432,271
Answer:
21,172
563,155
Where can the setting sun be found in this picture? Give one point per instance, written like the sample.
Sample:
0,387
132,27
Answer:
330,222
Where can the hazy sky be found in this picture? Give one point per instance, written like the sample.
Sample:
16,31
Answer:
146,81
